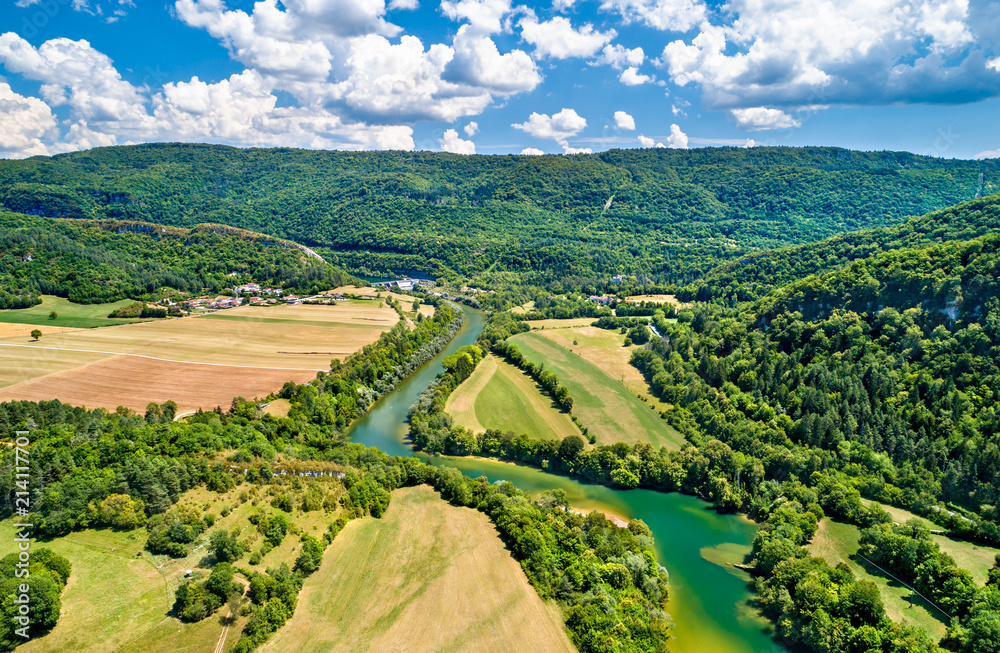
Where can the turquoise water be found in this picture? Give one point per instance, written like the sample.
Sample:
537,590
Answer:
709,598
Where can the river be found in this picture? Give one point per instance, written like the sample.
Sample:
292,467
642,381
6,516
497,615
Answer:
709,598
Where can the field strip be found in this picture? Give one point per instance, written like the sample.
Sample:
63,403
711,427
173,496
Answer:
166,360
462,403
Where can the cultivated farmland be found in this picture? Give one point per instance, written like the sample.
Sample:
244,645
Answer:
609,410
500,396
198,362
656,299
428,576
606,349
376,293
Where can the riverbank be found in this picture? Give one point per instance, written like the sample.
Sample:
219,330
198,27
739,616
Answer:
710,600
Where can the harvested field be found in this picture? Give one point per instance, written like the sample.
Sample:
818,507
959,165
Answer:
200,361
428,576
20,364
554,323
500,396
656,299
608,409
21,331
134,382
606,349
372,292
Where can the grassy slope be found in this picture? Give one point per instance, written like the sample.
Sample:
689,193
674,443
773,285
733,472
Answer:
607,408
499,396
82,316
428,576
838,542
117,600
606,349
971,556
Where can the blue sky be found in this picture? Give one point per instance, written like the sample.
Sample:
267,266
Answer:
495,76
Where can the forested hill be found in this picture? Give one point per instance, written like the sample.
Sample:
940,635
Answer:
663,215
753,276
956,280
93,262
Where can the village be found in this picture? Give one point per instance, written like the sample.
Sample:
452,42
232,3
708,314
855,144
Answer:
251,294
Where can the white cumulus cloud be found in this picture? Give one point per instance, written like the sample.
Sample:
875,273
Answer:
618,56
624,120
484,16
403,82
532,151
646,141
760,118
478,62
75,74
24,123
559,127
631,77
471,128
677,138
557,38
452,142
672,15
833,51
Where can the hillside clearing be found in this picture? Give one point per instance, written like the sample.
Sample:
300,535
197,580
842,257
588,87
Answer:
500,396
976,558
81,316
523,308
610,411
656,299
899,515
837,542
428,576
119,596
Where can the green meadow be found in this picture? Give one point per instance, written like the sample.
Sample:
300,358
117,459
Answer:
607,408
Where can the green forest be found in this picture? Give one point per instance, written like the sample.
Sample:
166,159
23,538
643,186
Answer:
664,216
94,262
